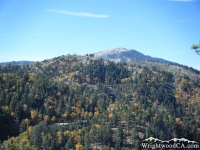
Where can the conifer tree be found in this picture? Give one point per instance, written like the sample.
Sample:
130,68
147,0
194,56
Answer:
70,143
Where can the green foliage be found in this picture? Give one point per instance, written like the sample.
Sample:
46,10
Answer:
35,137
10,145
118,137
196,47
23,126
70,143
86,141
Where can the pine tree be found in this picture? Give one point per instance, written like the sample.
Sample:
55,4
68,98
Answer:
134,135
86,141
18,113
118,137
137,144
23,126
60,108
53,144
70,143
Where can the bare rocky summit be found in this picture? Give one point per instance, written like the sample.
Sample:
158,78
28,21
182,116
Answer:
124,55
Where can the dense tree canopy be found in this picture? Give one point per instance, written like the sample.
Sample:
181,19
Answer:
105,105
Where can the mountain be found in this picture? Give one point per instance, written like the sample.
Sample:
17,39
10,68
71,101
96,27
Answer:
123,55
92,97
18,63
135,57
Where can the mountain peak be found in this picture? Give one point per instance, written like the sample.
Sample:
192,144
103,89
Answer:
111,51
121,54
118,49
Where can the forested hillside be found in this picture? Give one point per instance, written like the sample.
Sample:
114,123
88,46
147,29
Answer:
107,105
17,63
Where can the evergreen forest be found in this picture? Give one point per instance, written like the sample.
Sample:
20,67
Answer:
84,103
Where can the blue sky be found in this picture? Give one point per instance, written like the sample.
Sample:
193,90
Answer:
40,29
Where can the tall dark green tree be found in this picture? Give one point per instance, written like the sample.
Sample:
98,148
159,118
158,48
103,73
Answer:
118,137
70,143
86,141
23,126
134,136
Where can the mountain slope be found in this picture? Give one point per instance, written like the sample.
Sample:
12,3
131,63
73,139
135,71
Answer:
97,98
123,54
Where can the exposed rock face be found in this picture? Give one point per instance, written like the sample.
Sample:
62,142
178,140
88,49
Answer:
123,54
